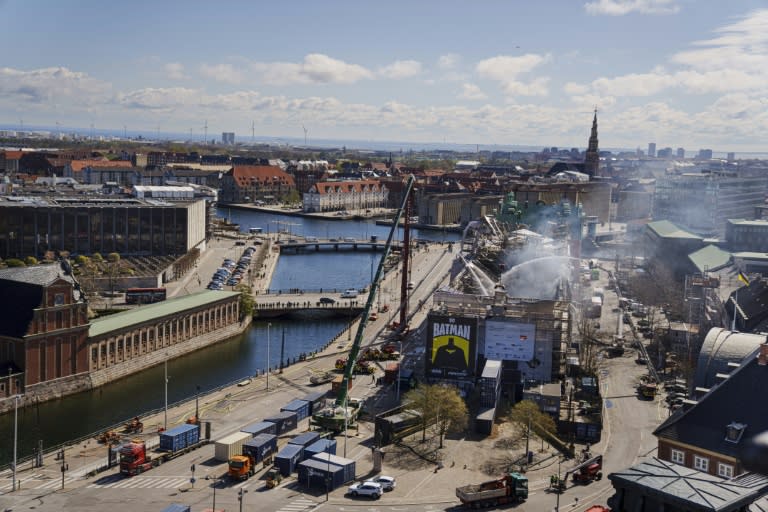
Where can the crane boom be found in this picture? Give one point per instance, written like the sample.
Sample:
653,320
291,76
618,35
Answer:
355,350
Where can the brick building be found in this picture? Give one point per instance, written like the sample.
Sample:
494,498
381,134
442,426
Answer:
251,183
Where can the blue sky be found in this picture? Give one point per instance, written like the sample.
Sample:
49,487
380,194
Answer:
690,73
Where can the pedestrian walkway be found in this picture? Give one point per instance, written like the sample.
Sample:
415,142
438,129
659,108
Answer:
139,482
298,505
36,481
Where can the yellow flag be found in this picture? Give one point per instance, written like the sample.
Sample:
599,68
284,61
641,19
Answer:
743,278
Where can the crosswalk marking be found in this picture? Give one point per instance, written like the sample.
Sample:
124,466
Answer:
140,482
298,505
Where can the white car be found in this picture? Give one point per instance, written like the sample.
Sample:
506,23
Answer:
387,483
371,489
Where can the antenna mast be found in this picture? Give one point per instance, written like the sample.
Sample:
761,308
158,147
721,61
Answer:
205,132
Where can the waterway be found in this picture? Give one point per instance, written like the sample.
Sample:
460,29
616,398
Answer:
73,417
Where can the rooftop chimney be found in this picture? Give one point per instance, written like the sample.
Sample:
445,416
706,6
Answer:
762,357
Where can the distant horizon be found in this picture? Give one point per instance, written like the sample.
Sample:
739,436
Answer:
351,144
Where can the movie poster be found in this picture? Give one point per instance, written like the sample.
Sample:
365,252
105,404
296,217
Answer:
451,347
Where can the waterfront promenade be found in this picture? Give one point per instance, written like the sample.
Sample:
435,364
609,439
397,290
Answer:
231,407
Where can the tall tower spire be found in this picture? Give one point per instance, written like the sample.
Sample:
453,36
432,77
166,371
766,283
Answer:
592,157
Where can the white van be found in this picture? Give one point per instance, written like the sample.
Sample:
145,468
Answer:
350,239
310,239
349,294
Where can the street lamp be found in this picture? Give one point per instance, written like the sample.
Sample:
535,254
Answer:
15,436
241,497
399,364
268,367
165,416
197,406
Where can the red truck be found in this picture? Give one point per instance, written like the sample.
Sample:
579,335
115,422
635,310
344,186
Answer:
134,458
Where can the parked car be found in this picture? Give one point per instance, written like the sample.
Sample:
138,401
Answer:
387,483
366,489
327,300
349,294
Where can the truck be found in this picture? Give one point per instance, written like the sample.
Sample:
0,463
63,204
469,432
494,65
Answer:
511,488
254,451
135,459
584,473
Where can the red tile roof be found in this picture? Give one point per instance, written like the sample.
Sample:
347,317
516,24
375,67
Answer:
79,165
13,155
246,174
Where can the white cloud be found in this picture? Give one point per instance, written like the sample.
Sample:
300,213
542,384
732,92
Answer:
504,67
225,73
622,7
448,61
315,69
175,71
471,92
160,99
401,69
48,85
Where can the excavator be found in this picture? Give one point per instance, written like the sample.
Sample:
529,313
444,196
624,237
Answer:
343,412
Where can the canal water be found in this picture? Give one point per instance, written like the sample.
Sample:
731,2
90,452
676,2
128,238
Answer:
73,417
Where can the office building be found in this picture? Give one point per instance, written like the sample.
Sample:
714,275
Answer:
680,152
228,137
652,149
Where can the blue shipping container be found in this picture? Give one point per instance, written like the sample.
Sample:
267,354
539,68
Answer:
317,399
285,421
260,447
177,507
302,408
313,473
348,465
288,457
305,439
262,427
179,438
321,446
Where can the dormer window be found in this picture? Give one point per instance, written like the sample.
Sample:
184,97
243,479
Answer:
734,431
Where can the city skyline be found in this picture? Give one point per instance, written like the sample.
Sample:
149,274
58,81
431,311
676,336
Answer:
676,72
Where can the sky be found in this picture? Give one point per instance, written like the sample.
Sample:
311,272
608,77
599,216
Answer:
681,73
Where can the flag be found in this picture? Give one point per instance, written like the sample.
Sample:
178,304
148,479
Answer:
741,277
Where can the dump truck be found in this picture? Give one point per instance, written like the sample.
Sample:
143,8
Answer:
511,488
135,459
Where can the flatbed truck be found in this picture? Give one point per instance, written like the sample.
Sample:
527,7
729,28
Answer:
136,459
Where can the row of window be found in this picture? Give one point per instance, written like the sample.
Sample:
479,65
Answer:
702,463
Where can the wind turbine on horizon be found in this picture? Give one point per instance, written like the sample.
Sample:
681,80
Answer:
305,134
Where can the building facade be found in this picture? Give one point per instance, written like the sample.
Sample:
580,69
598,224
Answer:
251,183
702,203
329,196
128,226
747,235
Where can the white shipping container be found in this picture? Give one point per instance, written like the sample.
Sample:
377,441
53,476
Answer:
231,445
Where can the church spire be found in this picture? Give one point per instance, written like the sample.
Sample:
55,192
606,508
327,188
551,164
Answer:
592,157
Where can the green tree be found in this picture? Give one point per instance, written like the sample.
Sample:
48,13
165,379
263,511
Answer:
82,260
439,405
247,302
97,257
113,257
291,197
15,262
30,260
529,418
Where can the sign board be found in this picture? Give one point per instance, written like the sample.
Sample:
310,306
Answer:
509,341
451,347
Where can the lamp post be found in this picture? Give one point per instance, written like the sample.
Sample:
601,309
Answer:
399,364
268,367
241,497
15,436
197,406
165,414
557,491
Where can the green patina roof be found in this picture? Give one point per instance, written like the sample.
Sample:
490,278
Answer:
710,258
148,312
667,229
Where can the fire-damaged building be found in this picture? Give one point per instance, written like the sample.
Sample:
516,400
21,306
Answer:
499,348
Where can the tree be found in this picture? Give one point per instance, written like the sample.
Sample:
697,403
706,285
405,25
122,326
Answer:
439,405
30,260
528,416
15,262
589,340
247,303
113,257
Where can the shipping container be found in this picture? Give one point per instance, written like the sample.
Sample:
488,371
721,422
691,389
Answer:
320,446
260,447
287,458
231,445
179,438
313,473
285,421
177,507
317,399
262,427
347,464
305,439
302,408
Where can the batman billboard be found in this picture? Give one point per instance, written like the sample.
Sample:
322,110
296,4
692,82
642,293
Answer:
451,347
